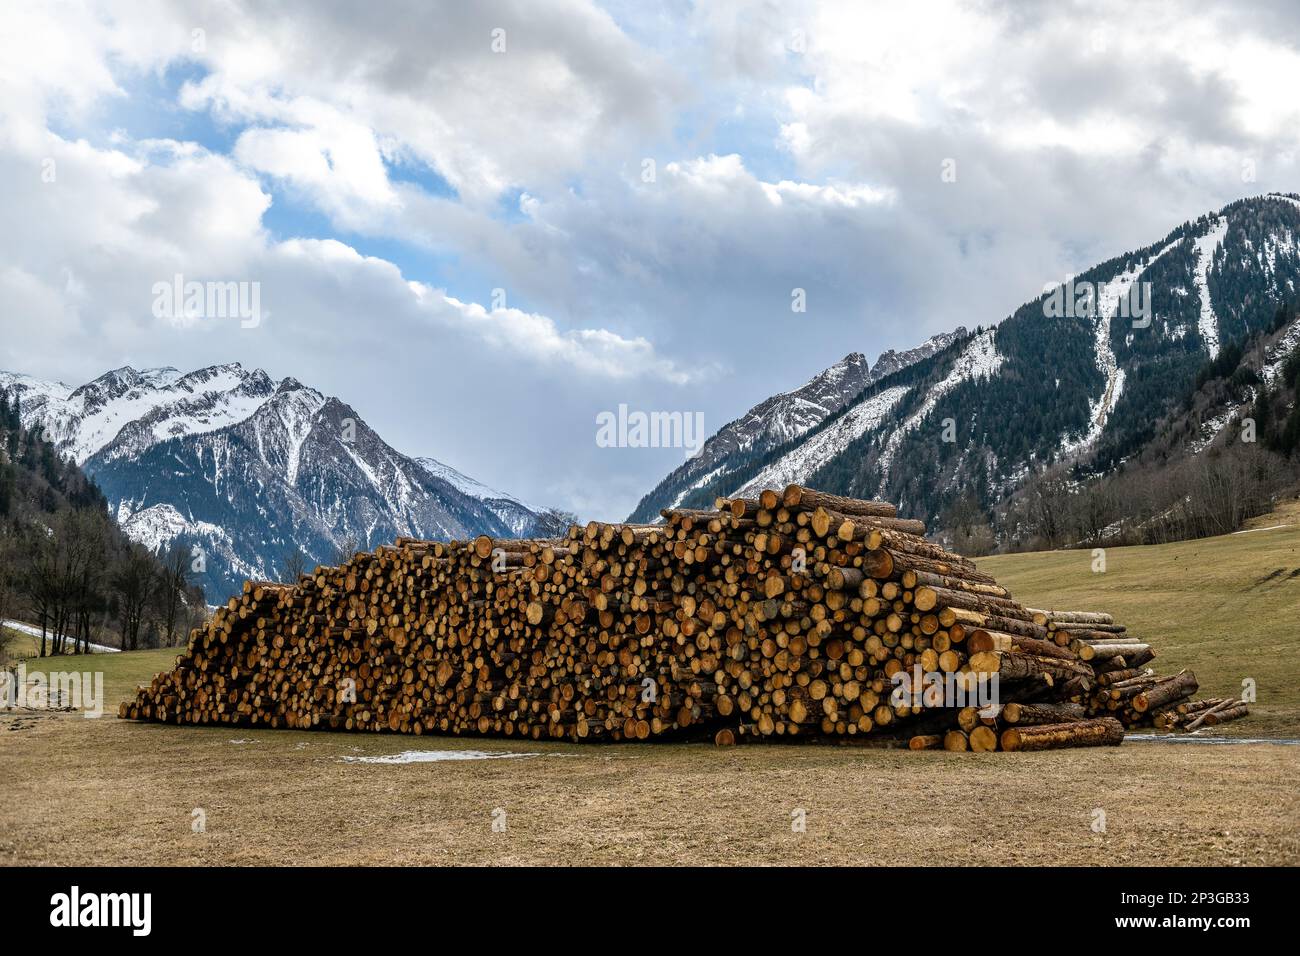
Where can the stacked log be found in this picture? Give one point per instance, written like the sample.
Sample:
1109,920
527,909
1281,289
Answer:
796,614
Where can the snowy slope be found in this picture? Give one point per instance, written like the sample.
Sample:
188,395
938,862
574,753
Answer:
979,360
225,460
1109,297
800,463
516,515
1277,355
1206,246
781,419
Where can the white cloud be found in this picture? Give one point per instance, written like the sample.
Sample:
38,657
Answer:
797,145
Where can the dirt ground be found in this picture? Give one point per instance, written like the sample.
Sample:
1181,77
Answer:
106,791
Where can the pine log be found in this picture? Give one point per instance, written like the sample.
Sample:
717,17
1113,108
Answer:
806,499
1017,713
1166,692
1105,731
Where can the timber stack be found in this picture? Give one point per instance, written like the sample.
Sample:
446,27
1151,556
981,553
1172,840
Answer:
796,614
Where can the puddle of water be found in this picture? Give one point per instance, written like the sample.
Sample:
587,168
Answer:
1193,739
433,756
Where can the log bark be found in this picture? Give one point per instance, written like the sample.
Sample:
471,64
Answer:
806,499
1166,692
1016,713
1105,731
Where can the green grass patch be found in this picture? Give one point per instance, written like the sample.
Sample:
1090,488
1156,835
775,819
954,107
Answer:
1225,607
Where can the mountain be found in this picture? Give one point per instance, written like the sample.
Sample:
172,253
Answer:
1078,378
520,518
250,470
778,421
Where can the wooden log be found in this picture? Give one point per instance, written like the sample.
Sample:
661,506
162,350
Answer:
982,639
1208,712
856,528
983,739
1016,666
1045,713
1235,712
1071,617
806,499
955,741
1166,692
1105,731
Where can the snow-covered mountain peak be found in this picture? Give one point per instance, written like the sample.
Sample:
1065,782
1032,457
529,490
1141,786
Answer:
514,513
250,469
124,411
161,376
463,482
891,361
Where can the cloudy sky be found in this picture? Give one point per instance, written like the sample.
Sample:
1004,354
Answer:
482,224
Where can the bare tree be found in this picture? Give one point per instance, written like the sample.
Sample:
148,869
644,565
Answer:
133,582
8,579
292,565
89,535
346,550
173,581
39,582
1048,508
554,523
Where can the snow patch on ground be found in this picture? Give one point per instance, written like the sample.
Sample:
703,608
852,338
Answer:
436,756
36,632
1210,430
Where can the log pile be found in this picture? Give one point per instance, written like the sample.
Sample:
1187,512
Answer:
797,614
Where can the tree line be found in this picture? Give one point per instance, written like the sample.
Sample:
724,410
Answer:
65,565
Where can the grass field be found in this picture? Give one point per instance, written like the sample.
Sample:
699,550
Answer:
107,791
1226,607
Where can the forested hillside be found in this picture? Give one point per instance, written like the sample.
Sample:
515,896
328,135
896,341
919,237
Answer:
67,568
1076,389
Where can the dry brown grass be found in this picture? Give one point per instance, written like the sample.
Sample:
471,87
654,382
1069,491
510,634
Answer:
110,792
